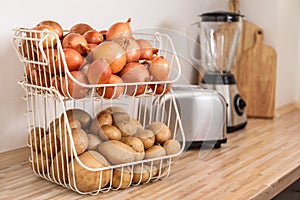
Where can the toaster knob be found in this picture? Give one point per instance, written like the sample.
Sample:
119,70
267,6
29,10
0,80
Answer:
239,104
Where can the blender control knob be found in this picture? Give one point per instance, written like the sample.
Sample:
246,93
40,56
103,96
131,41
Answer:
239,104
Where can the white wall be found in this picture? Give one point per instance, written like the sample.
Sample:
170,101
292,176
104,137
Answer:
175,15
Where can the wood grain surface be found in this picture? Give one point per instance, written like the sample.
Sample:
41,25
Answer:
256,163
256,77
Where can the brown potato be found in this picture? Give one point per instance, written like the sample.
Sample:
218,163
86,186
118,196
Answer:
109,132
122,177
34,138
123,121
52,126
135,143
86,180
40,163
94,141
50,145
59,167
155,151
61,127
146,136
117,152
114,109
104,117
80,140
161,131
82,116
137,123
172,146
143,173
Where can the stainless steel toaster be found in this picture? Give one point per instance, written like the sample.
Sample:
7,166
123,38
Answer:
203,115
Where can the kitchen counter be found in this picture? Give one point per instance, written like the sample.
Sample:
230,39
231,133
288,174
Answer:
257,162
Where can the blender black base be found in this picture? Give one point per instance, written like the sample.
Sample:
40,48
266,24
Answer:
231,129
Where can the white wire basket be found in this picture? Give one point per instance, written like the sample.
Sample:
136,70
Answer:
68,148
55,158
44,68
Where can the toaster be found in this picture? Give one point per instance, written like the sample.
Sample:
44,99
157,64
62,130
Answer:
203,115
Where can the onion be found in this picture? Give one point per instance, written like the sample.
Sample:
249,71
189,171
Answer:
161,88
93,37
113,53
77,42
91,45
99,72
80,28
112,92
131,48
73,59
159,68
135,72
50,41
56,26
38,77
119,29
146,49
71,89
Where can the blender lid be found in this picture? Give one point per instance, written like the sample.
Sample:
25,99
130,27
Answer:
221,16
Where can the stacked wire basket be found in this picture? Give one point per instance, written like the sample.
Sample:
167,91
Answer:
52,118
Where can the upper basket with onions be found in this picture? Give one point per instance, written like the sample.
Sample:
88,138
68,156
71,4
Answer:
85,62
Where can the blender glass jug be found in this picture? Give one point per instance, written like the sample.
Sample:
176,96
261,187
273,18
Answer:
219,38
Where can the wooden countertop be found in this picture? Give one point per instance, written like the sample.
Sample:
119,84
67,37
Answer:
256,163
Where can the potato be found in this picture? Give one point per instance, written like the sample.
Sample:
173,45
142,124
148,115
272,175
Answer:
114,109
161,131
86,180
146,136
104,117
122,177
61,128
94,141
34,138
135,143
109,132
50,145
59,167
53,125
123,121
40,163
82,116
117,152
155,151
143,173
137,123
172,146
80,140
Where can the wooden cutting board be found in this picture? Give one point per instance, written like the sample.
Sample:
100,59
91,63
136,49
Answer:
256,77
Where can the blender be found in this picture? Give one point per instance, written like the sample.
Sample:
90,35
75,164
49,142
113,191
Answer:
219,34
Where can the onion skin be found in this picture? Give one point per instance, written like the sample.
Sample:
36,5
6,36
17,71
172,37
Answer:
131,48
99,72
113,53
73,58
51,39
135,72
73,90
119,29
56,26
146,50
112,92
80,28
93,37
77,42
159,68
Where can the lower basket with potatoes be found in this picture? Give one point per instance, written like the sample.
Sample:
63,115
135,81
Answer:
95,146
